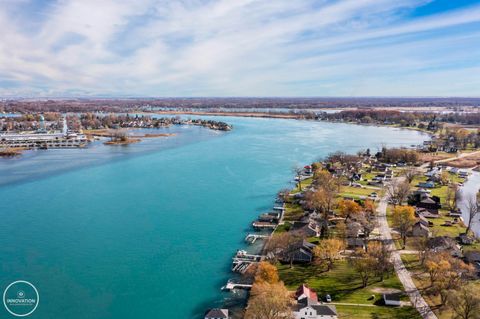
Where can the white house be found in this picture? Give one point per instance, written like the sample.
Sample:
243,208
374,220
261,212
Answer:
308,307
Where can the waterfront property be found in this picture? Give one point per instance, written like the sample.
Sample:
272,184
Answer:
308,307
43,140
139,199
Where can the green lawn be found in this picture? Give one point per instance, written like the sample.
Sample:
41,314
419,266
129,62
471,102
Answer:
439,230
353,312
344,285
293,212
355,192
342,282
304,183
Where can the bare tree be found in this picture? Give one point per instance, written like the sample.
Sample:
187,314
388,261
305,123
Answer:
298,173
465,302
397,192
472,211
410,173
452,196
282,246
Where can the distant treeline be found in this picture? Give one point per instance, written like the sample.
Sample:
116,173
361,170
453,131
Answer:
125,104
402,118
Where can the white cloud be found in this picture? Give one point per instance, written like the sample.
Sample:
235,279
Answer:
241,47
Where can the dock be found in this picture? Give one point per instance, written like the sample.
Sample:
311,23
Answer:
242,261
252,238
263,225
233,285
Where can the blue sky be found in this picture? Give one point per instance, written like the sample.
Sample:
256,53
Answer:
240,48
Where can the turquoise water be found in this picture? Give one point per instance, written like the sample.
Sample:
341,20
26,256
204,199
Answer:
148,231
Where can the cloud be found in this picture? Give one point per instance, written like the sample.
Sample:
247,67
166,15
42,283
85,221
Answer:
236,48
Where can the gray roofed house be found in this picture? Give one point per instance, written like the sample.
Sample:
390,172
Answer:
420,230
217,313
307,308
306,229
445,243
300,252
473,258
310,308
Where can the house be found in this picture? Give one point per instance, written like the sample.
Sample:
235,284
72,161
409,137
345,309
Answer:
354,229
463,174
307,170
473,258
300,252
426,213
308,306
454,170
311,310
420,230
421,193
217,313
305,292
424,221
429,204
428,184
392,299
465,239
306,229
354,243
445,244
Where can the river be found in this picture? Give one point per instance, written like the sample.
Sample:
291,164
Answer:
148,230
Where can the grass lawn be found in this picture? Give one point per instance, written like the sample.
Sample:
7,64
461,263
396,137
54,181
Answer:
422,282
344,285
355,312
366,177
305,183
439,230
418,179
441,192
293,212
355,192
342,282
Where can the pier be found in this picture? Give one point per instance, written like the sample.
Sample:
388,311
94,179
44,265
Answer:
263,225
233,285
242,261
252,238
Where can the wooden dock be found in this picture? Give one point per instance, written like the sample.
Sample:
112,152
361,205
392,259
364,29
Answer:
233,285
263,225
252,238
242,261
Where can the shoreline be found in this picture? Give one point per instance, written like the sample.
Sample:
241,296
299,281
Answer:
281,116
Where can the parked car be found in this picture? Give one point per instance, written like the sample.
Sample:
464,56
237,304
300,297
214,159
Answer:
328,298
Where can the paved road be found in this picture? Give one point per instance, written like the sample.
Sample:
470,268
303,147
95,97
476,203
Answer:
403,274
462,155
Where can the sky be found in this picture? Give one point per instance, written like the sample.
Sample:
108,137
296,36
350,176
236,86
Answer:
161,48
